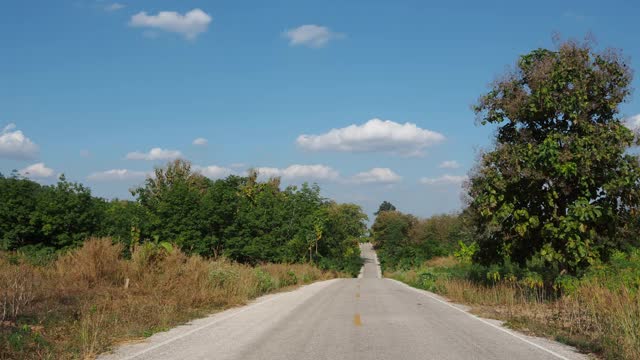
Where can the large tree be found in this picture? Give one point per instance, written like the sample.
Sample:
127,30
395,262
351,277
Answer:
560,183
173,198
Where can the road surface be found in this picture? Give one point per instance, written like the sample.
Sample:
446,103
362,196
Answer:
365,318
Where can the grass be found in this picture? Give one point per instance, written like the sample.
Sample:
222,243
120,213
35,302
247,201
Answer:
91,298
599,313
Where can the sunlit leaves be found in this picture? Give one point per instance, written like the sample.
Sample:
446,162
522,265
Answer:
559,183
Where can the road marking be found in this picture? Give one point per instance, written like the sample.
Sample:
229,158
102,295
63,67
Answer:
356,320
427,294
246,308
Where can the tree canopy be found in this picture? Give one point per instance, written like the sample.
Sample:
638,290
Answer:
560,184
241,218
403,240
385,206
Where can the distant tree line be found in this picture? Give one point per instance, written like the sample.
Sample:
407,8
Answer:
404,241
239,217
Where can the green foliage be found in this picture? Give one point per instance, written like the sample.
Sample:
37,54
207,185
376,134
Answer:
240,218
56,216
18,199
385,206
173,198
265,282
37,254
466,252
622,271
404,241
125,221
222,277
23,340
560,187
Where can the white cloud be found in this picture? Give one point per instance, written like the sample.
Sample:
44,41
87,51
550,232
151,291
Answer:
213,171
85,153
14,145
154,154
376,175
238,165
315,172
445,180
38,170
117,175
114,7
374,135
200,142
313,36
449,164
633,122
191,24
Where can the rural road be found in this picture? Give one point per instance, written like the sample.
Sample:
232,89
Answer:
365,318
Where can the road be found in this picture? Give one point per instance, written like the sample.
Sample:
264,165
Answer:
365,318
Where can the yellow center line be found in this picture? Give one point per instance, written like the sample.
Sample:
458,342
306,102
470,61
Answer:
356,320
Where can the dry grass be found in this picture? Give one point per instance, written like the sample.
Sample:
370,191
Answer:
78,306
595,318
442,261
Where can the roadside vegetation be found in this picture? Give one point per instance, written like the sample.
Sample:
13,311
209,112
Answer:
239,218
549,239
92,297
600,312
80,273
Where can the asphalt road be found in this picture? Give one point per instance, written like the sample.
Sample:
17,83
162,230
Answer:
365,318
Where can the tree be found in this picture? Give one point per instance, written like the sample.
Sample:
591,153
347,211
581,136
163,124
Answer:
66,214
125,221
390,234
173,199
18,197
221,205
559,183
341,228
385,206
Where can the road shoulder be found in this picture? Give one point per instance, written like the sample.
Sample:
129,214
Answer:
554,348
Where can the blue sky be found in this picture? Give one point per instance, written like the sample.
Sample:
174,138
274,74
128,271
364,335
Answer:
89,88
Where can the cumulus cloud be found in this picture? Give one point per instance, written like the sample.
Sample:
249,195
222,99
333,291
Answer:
315,172
213,171
190,25
114,7
633,122
117,175
374,135
38,170
154,154
200,142
15,145
376,175
444,180
313,36
449,164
